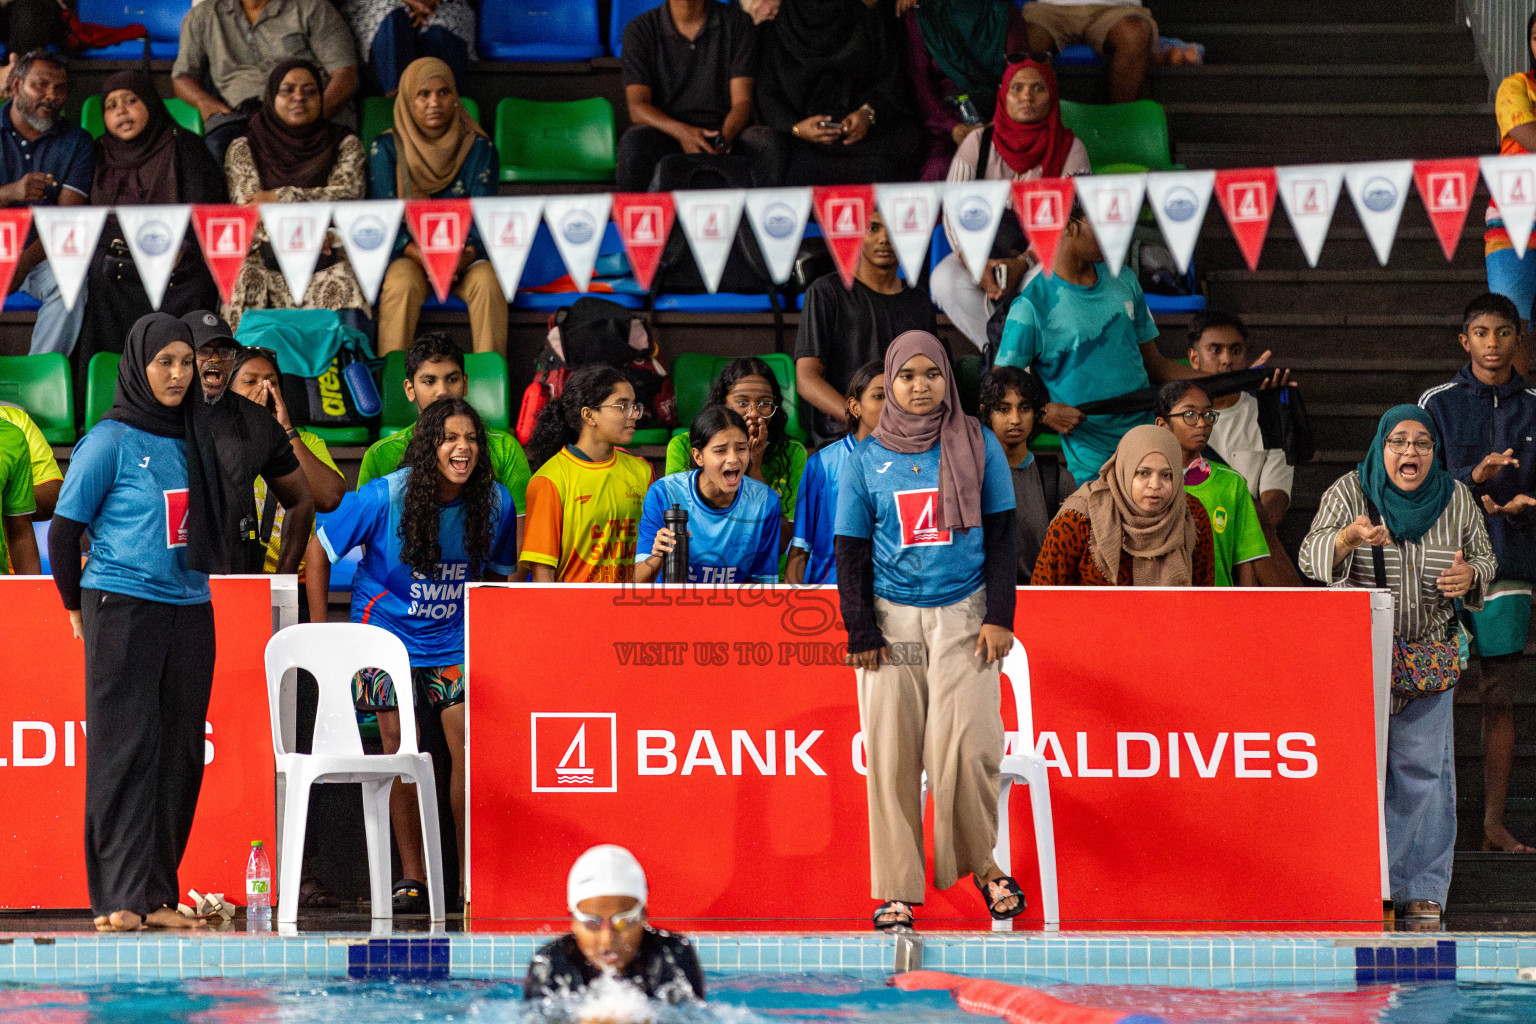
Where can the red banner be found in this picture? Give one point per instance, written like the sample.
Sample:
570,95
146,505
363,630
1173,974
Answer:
843,211
1200,777
1247,197
644,220
440,227
42,770
14,224
225,233
1043,207
1446,187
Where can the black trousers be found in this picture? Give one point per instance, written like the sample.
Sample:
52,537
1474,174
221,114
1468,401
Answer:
642,149
148,675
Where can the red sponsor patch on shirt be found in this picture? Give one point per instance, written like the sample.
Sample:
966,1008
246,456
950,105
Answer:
918,512
176,503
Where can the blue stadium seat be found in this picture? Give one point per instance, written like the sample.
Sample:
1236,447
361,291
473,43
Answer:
40,531
1079,56
1161,305
161,17
544,265
719,302
544,31
21,302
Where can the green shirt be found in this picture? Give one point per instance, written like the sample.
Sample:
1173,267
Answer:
1235,525
783,475
15,483
508,461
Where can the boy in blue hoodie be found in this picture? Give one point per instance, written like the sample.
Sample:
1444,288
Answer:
1486,417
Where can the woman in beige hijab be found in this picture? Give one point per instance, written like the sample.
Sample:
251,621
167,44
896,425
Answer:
435,151
1133,526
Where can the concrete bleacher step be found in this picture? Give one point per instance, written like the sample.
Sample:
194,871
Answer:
1313,83
1328,42
1380,130
1305,290
1302,11
1503,881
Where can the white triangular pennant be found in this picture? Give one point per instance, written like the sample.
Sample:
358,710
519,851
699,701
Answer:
1113,204
578,223
69,235
909,212
709,218
1512,184
1310,193
972,210
1380,190
296,231
1179,200
154,235
368,230
507,226
778,217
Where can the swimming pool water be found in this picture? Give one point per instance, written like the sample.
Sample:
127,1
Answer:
739,999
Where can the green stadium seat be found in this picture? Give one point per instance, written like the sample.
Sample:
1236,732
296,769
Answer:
100,386
555,141
650,436
182,112
1047,441
41,385
693,373
488,392
1121,138
968,383
379,116
340,435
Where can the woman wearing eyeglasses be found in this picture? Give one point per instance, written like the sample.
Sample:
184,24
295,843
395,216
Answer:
584,501
1127,527
1238,538
748,388
1401,522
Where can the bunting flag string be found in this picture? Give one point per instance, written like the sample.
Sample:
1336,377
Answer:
971,212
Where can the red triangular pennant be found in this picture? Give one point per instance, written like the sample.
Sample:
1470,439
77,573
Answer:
1043,206
644,220
1247,197
224,232
1446,187
440,227
14,224
843,211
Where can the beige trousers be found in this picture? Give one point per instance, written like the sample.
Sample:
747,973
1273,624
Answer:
934,707
406,288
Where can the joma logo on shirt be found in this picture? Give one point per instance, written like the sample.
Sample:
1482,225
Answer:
176,503
918,512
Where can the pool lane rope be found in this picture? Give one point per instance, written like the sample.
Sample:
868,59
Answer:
1016,1004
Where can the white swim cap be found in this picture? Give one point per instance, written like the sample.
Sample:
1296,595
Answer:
605,870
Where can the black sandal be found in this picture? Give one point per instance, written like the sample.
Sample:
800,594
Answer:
410,897
901,914
998,891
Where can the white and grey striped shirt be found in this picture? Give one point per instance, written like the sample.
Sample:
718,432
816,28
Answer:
1421,611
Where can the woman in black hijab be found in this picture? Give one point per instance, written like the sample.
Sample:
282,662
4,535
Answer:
830,83
144,158
153,482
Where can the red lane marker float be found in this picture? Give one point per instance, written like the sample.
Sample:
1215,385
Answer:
1015,1003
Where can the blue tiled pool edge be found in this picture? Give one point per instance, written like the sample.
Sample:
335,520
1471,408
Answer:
1204,961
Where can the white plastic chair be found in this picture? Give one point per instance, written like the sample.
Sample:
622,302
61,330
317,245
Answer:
1026,768
333,652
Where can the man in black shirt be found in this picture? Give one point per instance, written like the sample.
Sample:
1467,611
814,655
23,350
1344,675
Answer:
841,329
688,69
606,892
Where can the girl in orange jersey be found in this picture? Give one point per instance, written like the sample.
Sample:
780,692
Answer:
584,502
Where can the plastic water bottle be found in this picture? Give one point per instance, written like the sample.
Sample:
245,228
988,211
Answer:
258,889
674,565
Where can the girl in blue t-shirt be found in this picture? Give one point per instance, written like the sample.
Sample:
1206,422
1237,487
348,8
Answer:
925,575
733,520
439,522
811,557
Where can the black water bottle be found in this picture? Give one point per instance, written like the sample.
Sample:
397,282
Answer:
674,566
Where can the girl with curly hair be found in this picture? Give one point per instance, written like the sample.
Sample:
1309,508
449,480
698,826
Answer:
438,522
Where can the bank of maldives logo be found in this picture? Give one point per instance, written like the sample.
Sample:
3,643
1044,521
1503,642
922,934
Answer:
574,752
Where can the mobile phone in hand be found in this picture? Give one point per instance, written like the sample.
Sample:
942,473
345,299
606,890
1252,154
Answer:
1000,275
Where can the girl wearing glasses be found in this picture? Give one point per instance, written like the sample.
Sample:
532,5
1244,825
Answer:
1401,522
733,520
584,502
1127,527
1184,408
749,388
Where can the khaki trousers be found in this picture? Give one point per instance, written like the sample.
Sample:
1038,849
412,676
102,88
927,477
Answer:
406,288
934,707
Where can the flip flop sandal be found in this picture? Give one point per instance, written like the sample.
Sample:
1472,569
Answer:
410,897
900,914
998,891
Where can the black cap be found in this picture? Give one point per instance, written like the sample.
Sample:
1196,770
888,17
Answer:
209,328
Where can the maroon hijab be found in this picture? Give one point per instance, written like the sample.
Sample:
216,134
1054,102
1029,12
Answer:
1044,144
962,453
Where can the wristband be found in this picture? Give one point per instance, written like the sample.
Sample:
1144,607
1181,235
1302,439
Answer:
293,434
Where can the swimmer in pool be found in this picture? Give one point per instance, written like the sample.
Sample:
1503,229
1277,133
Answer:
606,892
